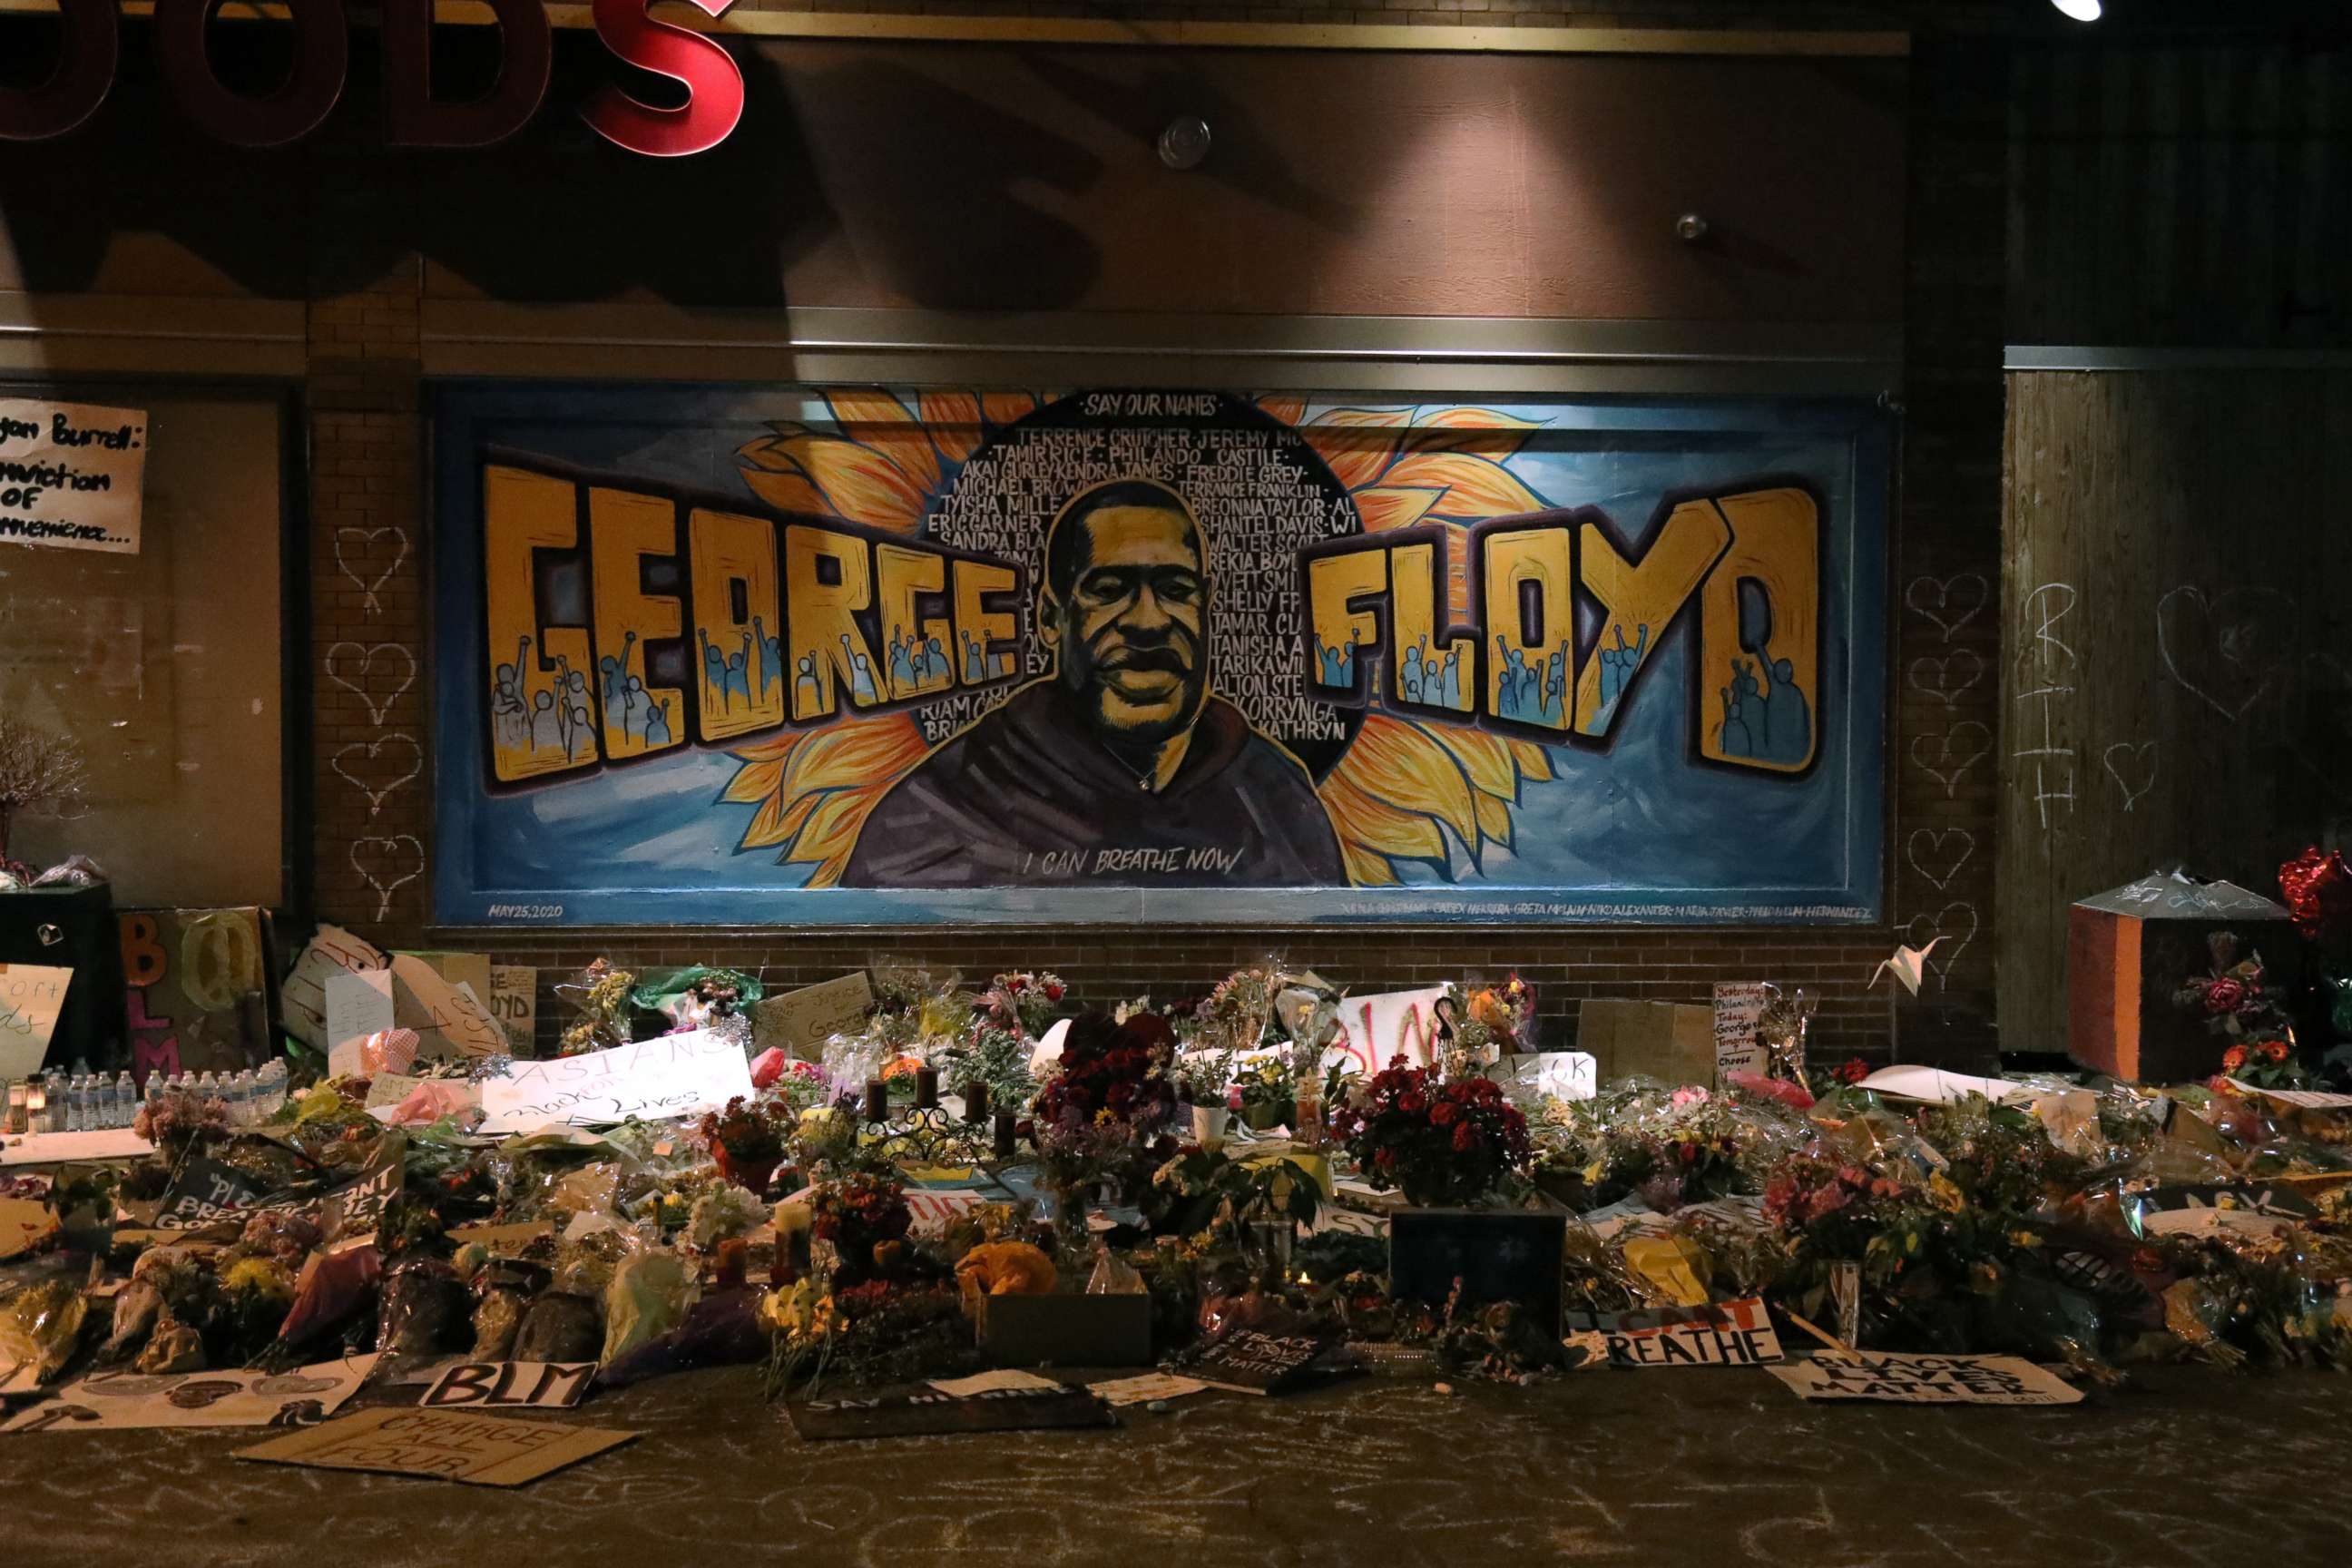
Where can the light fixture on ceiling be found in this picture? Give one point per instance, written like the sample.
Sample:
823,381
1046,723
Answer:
2080,10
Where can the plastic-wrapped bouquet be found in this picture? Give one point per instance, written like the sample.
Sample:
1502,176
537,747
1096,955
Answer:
1442,1144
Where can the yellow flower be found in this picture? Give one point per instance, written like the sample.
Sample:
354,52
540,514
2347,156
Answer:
2024,1238
1591,1173
1948,1197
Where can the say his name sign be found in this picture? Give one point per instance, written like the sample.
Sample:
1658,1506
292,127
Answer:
1729,1333
863,655
670,1075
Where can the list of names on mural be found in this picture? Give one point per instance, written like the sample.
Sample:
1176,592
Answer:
1259,502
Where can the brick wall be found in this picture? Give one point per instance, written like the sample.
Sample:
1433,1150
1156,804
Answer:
372,822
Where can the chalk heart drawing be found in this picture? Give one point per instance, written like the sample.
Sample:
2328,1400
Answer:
1950,603
367,586
2132,764
1939,851
1950,678
2229,650
1956,924
1958,750
376,792
359,664
377,858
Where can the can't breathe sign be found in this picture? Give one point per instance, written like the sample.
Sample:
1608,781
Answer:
70,474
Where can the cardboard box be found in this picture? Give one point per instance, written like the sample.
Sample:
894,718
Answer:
2130,949
1668,1040
1064,1330
468,968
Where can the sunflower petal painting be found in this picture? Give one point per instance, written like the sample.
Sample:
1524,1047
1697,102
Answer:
855,655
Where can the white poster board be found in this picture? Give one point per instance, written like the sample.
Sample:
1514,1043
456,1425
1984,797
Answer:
358,1004
31,997
1738,1006
673,1075
71,475
1375,1030
122,1398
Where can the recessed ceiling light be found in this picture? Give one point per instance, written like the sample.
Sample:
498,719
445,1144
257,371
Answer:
2080,10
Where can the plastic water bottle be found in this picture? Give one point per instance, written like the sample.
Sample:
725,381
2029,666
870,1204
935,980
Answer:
243,1100
78,1103
101,1103
275,1099
126,1099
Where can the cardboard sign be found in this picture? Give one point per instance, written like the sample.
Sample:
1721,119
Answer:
1121,1392
333,950
451,1021
1245,1360
302,1397
71,475
203,1194
673,1075
1924,1379
186,975
2207,1209
798,1022
2300,1099
358,1004
444,1444
1738,1004
924,1415
514,1003
31,997
1731,1333
356,1207
936,1209
507,1385
1665,1040
463,971
1375,1030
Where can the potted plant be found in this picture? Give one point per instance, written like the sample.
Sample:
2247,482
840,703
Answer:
1205,1078
1267,1099
746,1141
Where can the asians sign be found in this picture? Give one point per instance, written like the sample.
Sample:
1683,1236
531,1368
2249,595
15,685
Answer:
863,655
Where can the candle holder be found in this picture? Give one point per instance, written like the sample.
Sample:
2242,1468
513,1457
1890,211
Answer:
923,1132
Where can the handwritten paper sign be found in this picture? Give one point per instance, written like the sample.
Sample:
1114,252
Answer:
450,1020
122,1398
1375,1030
1738,1004
447,1445
674,1075
1143,1389
799,1022
1924,1379
484,1384
935,1209
31,997
71,475
1731,1333
333,950
514,1003
358,1004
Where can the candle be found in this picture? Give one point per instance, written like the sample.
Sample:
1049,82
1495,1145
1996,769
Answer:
15,1108
730,1261
793,1222
878,1101
975,1101
927,1088
1006,1126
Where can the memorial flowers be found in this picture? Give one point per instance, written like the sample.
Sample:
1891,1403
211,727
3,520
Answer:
858,1214
1441,1143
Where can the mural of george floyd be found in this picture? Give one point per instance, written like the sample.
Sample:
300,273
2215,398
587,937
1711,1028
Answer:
1093,621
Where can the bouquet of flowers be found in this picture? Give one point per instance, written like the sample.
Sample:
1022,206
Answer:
600,996
1115,1071
179,1120
1025,1001
1234,1016
2237,1008
1268,1093
747,1139
859,1213
1443,1144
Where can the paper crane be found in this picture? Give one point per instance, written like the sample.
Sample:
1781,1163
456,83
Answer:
1909,965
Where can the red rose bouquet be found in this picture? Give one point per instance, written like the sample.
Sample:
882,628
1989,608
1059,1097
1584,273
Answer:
2237,1006
1114,1069
1442,1144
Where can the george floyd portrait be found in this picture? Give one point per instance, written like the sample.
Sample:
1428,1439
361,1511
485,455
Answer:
1122,766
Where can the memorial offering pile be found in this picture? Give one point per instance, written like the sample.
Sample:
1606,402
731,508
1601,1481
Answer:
1415,1194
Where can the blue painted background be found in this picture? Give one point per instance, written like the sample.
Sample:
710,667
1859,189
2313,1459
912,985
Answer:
1637,833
